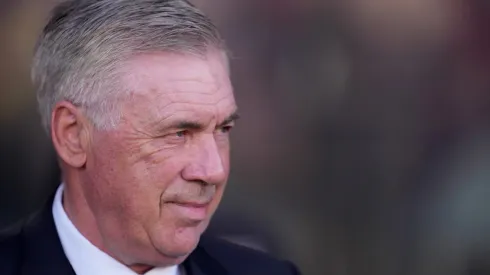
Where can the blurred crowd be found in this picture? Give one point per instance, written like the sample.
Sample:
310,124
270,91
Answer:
364,146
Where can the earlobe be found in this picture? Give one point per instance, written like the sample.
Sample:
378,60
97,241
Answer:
68,134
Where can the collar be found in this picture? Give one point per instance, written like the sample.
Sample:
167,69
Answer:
86,258
42,252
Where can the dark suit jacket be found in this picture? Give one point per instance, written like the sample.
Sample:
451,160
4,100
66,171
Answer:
33,247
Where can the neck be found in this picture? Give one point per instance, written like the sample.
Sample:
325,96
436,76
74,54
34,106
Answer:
78,211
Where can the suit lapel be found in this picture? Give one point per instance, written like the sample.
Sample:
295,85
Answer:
41,247
200,262
42,252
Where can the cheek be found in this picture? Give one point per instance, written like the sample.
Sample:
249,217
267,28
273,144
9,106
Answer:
225,159
104,167
124,180
158,170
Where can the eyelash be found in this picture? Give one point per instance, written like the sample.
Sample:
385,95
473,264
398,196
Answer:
224,130
183,132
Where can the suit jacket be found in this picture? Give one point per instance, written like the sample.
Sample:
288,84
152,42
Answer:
33,247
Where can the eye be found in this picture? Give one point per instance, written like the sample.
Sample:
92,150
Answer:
177,137
182,133
225,129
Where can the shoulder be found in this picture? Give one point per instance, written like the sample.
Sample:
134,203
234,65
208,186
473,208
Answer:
10,249
246,260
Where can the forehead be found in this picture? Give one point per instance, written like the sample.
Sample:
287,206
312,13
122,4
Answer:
164,84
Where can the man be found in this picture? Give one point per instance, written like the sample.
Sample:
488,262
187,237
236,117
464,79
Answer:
137,99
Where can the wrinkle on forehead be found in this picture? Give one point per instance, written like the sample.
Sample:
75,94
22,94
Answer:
169,73
150,70
160,105
165,84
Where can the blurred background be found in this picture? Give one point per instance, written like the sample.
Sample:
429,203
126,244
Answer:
364,146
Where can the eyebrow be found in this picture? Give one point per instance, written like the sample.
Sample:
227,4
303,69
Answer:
229,119
192,125
189,125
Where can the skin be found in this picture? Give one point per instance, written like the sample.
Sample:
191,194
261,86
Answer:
144,191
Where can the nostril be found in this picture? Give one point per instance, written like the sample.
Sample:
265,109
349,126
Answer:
201,182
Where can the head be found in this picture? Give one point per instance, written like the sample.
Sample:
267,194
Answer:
137,99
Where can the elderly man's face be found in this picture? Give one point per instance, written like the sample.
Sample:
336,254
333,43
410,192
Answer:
155,181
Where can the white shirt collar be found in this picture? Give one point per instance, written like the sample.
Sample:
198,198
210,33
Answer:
84,257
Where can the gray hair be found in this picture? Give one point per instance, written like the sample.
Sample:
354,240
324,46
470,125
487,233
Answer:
85,42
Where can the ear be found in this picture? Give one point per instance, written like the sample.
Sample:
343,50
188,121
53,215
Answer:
70,134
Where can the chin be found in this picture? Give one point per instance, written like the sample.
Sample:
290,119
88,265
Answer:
179,244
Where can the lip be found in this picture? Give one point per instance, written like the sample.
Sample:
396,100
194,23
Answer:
192,204
195,211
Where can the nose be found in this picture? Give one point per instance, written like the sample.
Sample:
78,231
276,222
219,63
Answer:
206,164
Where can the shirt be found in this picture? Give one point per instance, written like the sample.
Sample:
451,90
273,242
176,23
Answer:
86,258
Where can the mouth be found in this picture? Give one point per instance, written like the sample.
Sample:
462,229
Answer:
195,211
191,204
